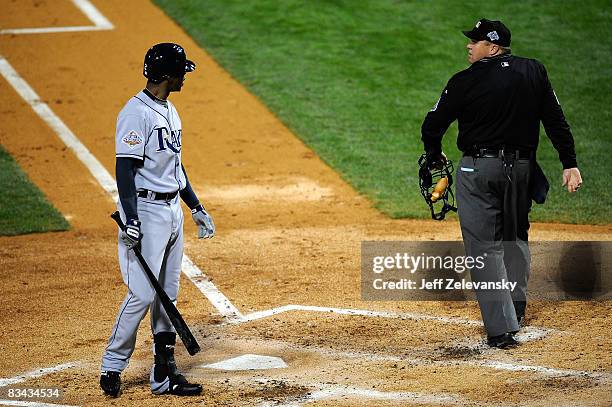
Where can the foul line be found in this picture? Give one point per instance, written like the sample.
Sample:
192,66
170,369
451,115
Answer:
65,134
91,12
37,373
97,170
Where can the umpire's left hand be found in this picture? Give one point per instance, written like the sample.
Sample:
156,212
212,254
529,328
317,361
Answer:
572,179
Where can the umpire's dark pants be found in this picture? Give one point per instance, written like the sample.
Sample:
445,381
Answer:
493,203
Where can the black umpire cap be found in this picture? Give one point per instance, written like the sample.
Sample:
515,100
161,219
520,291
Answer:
493,31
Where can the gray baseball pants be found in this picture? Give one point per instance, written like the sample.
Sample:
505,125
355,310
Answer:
493,203
162,248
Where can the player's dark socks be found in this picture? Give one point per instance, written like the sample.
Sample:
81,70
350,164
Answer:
110,382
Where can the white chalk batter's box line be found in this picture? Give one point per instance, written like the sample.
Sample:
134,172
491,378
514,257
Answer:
527,334
100,22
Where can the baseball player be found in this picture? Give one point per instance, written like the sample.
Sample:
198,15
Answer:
499,102
150,180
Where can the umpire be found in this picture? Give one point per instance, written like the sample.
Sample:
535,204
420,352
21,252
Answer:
499,102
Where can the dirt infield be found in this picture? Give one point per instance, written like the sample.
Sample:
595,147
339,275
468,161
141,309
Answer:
289,233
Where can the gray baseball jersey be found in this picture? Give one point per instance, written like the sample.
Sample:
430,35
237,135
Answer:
151,132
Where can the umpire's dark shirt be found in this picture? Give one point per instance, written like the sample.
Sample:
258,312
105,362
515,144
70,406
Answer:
497,102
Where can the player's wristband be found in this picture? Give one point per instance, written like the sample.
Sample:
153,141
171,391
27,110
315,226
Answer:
132,228
197,208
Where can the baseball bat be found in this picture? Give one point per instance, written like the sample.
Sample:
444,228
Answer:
173,314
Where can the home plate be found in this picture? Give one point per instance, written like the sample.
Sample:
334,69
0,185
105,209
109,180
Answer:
249,362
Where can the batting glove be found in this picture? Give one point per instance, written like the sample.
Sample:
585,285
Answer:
206,226
131,235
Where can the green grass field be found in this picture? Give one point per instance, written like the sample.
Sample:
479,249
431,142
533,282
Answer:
23,208
354,80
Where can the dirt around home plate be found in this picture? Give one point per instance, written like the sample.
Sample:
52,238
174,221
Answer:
289,232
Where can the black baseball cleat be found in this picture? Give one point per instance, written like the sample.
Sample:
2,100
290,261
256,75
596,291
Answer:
110,382
502,341
165,377
179,386
175,383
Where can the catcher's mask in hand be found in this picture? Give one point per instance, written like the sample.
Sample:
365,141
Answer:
435,181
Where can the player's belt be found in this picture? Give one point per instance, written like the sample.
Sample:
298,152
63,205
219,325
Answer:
157,196
518,154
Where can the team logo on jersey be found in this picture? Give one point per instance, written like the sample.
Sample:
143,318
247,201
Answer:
132,139
168,139
493,36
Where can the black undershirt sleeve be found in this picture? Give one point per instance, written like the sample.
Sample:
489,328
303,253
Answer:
439,119
125,172
556,126
187,194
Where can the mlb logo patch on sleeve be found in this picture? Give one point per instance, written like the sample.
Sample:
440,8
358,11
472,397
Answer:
132,139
